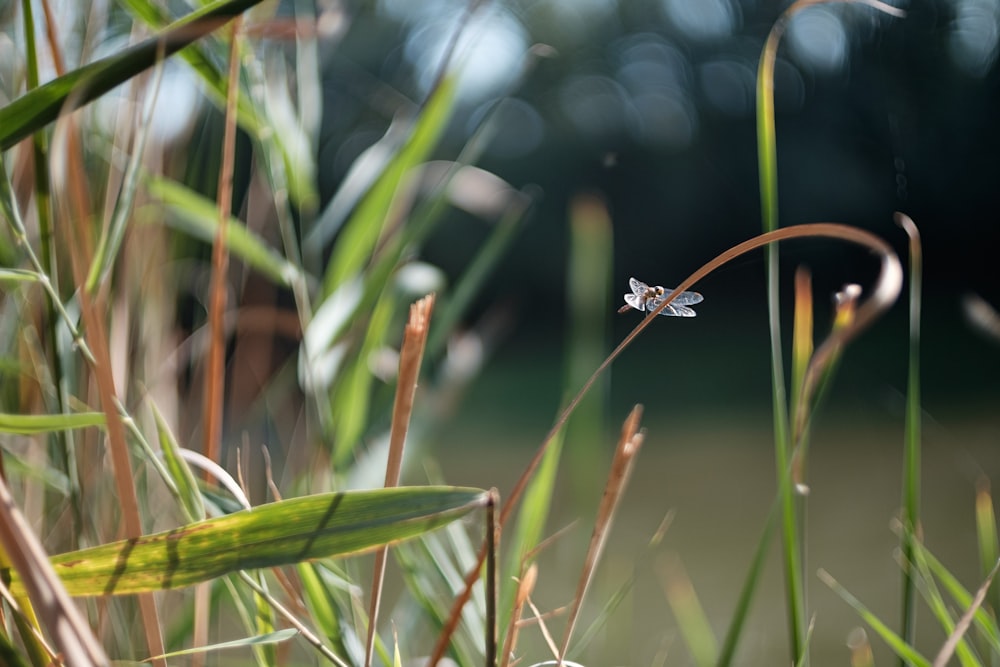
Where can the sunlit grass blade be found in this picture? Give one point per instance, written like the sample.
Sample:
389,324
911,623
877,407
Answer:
804,658
19,276
434,576
350,402
802,349
529,527
691,619
279,533
753,578
184,479
360,232
767,160
802,331
956,638
113,233
929,566
895,642
36,109
34,424
327,595
198,216
986,534
942,612
275,637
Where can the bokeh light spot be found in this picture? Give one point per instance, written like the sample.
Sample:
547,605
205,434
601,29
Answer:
595,105
728,86
818,40
667,121
518,127
490,52
703,19
974,35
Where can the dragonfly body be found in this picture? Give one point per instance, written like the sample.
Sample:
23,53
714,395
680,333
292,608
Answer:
648,297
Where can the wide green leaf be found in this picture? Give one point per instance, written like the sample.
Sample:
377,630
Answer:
280,533
36,109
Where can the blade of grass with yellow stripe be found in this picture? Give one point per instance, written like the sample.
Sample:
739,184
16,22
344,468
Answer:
280,533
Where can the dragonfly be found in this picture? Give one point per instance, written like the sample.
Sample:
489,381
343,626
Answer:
648,297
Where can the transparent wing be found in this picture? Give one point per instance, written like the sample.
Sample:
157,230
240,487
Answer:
677,307
673,310
684,298
635,301
638,287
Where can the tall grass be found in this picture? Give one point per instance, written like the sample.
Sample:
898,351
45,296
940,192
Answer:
123,445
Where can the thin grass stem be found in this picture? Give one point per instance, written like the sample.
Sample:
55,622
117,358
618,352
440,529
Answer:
410,357
911,448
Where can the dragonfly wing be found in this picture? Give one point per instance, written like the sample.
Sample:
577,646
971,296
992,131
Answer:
637,286
634,301
674,310
686,298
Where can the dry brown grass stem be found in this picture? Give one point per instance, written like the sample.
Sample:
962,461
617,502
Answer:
948,649
884,294
75,213
70,633
525,586
411,355
215,372
618,477
214,368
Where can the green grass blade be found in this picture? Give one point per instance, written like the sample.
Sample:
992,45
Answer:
178,469
434,578
530,524
911,449
327,596
692,622
361,231
350,403
728,650
895,642
19,276
791,541
113,234
199,217
270,638
36,109
986,534
927,587
985,622
34,424
280,533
